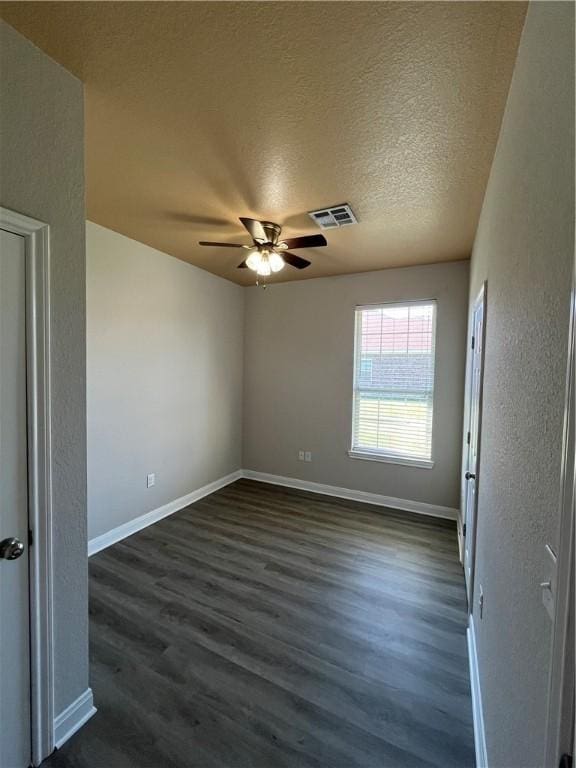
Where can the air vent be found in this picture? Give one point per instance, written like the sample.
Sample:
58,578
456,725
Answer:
336,216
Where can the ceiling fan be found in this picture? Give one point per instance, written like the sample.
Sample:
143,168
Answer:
268,253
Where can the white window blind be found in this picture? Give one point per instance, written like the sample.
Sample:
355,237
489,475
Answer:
394,381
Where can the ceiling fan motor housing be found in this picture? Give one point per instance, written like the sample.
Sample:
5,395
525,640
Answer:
272,231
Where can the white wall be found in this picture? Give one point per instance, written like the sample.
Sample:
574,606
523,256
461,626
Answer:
42,175
299,351
165,352
524,248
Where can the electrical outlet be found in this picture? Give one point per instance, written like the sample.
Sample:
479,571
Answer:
300,455
308,456
150,480
481,603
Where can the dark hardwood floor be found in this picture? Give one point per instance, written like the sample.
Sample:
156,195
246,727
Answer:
264,627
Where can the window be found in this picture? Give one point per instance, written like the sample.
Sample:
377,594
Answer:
394,382
366,371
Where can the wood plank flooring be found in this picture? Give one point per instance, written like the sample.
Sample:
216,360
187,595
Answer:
264,627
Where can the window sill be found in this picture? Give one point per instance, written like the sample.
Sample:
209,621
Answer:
387,459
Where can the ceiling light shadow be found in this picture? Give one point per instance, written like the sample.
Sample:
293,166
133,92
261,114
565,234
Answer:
228,177
193,218
299,221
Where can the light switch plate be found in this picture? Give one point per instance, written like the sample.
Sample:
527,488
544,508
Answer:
150,480
307,456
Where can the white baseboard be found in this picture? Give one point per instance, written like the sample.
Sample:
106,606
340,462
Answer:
132,526
477,711
143,521
405,505
73,718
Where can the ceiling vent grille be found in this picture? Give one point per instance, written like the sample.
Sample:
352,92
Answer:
335,216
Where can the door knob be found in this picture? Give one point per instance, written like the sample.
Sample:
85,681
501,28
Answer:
470,476
11,549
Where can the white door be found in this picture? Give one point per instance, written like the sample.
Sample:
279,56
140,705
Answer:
15,731
471,474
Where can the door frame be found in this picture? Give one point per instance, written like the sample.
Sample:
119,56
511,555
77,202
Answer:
36,235
481,298
561,709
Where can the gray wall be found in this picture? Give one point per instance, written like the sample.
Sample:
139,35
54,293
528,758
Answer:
298,380
42,175
165,347
524,248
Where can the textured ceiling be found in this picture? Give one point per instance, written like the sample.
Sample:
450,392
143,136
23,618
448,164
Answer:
197,113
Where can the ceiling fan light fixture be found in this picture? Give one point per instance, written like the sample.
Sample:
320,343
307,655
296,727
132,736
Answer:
264,261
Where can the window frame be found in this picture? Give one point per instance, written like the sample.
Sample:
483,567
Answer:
376,455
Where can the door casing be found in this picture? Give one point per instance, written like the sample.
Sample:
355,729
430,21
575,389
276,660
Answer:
471,515
36,235
561,723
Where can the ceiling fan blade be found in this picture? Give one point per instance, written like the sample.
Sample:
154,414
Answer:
255,229
294,261
307,241
242,266
221,245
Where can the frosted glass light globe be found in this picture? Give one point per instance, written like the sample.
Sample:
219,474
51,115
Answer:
254,260
276,262
264,267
